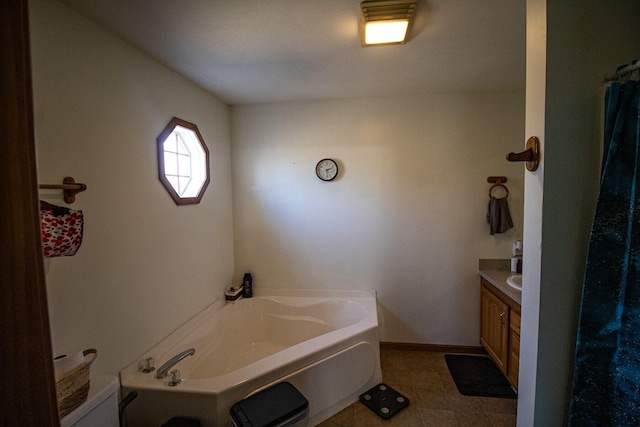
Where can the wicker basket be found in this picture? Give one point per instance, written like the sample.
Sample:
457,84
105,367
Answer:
72,387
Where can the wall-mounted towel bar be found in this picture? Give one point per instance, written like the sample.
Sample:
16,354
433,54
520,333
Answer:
531,155
69,188
498,181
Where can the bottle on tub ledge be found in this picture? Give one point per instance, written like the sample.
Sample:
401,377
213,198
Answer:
247,284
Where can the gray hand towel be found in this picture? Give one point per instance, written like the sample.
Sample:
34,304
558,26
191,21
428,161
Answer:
498,215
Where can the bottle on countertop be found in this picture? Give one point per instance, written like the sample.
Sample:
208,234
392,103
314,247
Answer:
247,283
516,264
516,260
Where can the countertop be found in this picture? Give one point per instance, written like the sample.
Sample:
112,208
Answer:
496,271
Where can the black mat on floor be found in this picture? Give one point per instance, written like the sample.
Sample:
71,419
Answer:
478,376
384,401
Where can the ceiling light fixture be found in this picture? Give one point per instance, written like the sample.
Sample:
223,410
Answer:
386,21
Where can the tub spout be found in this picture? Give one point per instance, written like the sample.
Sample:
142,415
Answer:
164,369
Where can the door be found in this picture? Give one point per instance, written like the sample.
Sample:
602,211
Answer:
27,386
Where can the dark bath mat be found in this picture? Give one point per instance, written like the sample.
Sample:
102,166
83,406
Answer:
478,376
384,401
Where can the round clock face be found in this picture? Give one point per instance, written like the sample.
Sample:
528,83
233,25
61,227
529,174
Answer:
326,169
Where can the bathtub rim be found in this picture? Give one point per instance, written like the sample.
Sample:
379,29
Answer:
232,379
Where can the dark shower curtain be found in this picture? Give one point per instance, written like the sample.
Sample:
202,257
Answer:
606,379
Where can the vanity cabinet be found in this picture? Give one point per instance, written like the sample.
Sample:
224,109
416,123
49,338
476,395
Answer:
500,329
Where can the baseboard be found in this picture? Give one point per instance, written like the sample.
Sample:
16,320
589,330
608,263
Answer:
439,348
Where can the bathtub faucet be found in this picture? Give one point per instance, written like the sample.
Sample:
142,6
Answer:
164,369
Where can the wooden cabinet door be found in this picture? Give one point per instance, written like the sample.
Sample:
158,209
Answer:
514,349
494,329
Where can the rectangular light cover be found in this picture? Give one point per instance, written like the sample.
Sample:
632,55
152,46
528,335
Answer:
377,32
386,21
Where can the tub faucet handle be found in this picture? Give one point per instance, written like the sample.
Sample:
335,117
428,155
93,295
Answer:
164,369
147,365
175,378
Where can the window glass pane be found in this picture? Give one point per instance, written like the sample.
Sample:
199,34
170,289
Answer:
170,164
181,147
173,180
184,166
171,144
184,186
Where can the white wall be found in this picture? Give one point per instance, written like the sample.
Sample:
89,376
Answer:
145,265
406,215
571,46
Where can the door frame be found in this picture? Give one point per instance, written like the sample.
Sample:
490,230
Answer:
28,385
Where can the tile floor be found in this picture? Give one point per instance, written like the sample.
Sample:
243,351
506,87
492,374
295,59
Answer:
434,399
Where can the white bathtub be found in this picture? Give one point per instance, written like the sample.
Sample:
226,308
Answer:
324,342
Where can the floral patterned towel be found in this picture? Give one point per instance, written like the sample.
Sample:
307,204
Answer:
61,230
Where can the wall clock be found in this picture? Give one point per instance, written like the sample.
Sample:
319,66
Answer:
327,169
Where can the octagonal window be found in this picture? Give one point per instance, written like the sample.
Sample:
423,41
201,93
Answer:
183,162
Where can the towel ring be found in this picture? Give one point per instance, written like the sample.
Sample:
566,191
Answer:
498,184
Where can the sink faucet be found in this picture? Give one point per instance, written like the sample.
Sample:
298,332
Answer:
164,369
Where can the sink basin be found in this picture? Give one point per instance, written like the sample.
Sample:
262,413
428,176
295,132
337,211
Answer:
515,281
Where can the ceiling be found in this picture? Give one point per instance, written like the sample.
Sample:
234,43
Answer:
257,51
